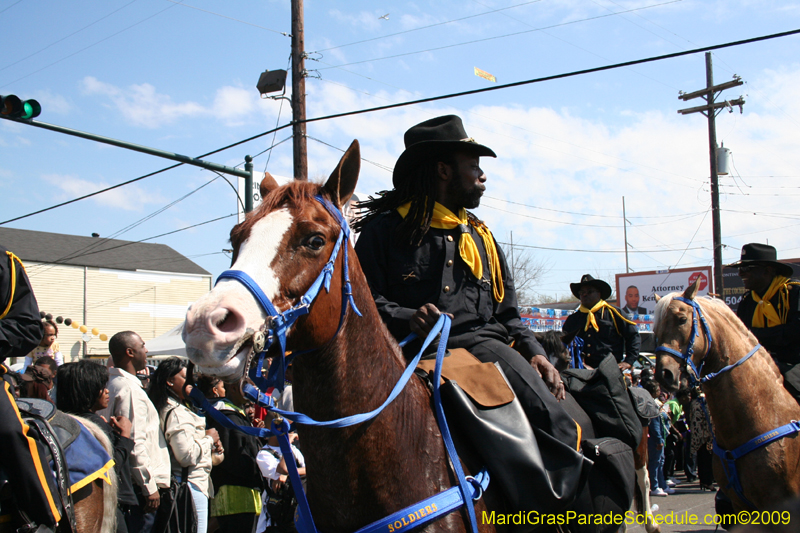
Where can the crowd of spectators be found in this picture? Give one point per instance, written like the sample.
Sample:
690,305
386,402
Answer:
238,482
679,437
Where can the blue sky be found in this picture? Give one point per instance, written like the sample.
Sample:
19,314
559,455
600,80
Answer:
180,76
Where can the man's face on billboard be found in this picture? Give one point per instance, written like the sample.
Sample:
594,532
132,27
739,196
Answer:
632,297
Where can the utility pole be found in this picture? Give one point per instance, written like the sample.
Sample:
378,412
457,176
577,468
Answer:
625,234
300,152
710,110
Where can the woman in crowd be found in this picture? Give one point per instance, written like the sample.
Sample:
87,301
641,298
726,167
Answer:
192,446
701,438
82,391
238,481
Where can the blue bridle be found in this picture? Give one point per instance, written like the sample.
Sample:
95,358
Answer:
278,323
728,457
276,326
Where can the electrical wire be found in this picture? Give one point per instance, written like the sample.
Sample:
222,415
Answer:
86,250
231,18
65,37
87,47
579,224
380,166
12,5
134,180
405,54
422,27
590,214
590,251
434,99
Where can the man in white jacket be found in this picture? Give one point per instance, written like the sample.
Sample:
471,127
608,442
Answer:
150,465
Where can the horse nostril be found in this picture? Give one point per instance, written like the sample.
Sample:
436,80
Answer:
224,320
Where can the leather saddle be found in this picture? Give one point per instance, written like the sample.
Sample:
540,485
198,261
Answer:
54,432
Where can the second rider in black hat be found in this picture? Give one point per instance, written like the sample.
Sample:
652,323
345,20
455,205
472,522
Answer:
603,327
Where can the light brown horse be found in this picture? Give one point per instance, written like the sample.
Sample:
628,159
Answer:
745,402
358,474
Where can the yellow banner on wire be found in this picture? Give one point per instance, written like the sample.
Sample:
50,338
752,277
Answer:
485,75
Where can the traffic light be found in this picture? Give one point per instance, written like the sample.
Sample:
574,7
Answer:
12,107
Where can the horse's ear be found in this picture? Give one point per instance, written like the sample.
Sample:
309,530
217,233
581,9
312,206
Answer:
344,177
657,297
267,184
691,291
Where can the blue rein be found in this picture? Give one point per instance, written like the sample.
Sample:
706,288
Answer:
728,457
276,327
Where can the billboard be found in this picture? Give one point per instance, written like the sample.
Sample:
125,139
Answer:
636,291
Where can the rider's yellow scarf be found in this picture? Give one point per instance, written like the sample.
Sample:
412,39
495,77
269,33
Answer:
443,218
591,322
765,314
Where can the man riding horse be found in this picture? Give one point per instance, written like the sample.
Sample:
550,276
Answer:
603,327
424,254
21,331
771,308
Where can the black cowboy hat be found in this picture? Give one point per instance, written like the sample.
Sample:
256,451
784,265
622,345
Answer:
764,254
587,279
434,136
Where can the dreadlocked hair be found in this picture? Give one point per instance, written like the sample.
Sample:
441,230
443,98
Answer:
417,189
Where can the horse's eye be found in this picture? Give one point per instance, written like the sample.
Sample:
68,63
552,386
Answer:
682,320
315,242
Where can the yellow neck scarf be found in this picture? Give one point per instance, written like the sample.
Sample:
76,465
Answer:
591,322
765,314
443,218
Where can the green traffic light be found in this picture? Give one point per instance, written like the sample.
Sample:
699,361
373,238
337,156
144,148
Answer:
12,107
31,109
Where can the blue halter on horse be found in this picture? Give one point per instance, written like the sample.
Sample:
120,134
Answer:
728,457
276,327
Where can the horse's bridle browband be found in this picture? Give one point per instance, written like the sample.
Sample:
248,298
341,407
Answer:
277,324
696,375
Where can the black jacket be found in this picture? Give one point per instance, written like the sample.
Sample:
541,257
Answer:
598,344
21,330
403,278
783,341
239,466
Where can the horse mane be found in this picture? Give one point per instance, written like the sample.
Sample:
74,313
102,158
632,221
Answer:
293,192
109,492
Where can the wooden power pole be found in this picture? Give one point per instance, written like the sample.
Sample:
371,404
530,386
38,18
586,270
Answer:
710,110
300,152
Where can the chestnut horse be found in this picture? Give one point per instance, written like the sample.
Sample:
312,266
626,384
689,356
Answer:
702,339
357,474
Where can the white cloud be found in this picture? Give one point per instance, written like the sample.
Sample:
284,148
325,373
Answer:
53,103
129,198
141,105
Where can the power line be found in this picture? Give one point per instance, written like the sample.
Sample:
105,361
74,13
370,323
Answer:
442,97
589,214
145,176
579,224
380,166
592,251
87,250
499,36
231,18
65,37
87,47
423,27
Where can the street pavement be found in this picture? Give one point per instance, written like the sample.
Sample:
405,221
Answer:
687,501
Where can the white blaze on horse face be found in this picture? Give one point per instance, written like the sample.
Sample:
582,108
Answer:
217,322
